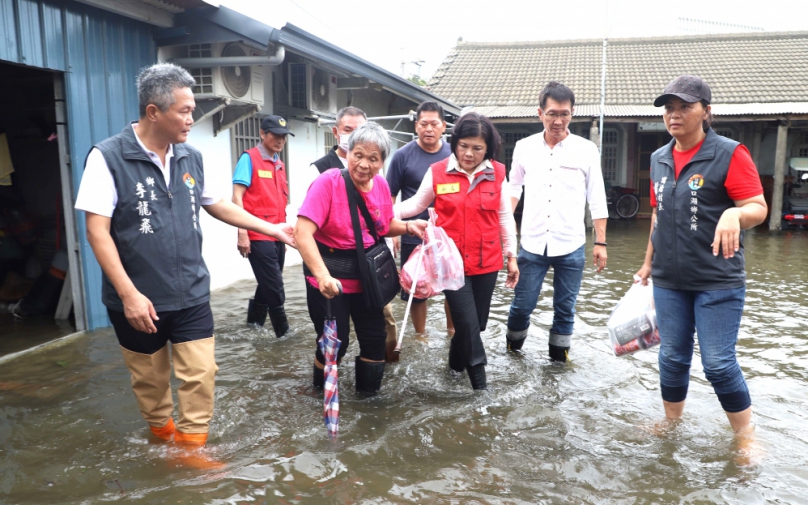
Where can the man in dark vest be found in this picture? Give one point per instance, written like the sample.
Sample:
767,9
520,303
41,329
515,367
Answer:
348,120
260,187
142,191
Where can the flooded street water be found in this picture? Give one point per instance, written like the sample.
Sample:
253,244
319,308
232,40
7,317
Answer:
70,431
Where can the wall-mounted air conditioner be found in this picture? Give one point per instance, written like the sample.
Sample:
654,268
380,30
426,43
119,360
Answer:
312,88
240,83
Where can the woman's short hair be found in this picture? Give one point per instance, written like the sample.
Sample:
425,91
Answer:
156,85
472,124
371,133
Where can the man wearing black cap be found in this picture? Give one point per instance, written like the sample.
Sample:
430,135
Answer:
259,186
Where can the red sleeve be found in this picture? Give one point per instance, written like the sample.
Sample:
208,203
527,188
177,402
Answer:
653,195
743,179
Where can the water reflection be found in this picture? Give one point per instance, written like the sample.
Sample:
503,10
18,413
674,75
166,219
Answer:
70,431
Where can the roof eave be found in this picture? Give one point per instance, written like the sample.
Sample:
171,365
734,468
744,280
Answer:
304,43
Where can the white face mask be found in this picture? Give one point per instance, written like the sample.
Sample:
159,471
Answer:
343,142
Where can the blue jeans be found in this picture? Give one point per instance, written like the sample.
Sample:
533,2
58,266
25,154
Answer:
568,270
715,316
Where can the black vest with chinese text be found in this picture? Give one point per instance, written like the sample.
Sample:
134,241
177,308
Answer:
688,210
156,228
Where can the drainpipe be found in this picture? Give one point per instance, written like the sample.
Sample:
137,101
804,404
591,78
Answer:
234,61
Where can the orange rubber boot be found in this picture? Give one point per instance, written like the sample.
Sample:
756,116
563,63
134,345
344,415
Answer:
190,439
165,432
193,457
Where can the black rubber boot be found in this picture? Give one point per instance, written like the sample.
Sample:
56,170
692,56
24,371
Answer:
559,353
515,339
368,376
318,378
277,317
477,376
256,313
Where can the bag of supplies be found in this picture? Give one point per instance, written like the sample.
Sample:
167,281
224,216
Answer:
441,265
632,324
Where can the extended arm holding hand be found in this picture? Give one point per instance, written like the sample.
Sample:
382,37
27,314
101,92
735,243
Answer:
230,213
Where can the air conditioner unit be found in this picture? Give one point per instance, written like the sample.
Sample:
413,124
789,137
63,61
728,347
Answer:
312,88
240,84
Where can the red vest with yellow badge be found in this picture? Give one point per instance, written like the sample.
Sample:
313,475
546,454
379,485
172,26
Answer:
471,218
268,194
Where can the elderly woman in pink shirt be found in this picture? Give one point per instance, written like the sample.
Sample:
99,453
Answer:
325,239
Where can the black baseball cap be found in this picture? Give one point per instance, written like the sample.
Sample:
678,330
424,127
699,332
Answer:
275,124
687,87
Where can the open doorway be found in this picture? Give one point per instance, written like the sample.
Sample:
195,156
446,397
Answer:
35,299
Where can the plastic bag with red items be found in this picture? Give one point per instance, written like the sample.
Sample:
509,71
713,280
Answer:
632,325
436,263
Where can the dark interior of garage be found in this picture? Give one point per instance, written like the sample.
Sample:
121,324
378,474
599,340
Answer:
33,260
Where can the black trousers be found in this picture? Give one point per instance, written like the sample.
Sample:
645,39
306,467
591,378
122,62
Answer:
469,306
266,258
175,326
368,323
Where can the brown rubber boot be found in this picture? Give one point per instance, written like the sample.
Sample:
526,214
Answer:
392,334
195,366
150,383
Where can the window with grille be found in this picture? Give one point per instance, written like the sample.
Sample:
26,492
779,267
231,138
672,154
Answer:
509,140
297,85
802,146
202,76
246,134
726,132
608,155
329,140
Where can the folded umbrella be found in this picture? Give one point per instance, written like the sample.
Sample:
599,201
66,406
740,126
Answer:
329,345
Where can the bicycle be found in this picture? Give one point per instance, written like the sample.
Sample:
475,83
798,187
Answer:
624,202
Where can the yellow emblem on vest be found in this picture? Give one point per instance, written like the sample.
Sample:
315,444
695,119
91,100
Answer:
445,189
265,174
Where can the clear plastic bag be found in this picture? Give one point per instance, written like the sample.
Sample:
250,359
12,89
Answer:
441,265
632,324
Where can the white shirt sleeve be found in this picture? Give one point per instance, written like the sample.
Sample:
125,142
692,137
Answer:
595,190
209,195
419,201
507,225
517,175
97,193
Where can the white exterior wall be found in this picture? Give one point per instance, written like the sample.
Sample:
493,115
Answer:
219,239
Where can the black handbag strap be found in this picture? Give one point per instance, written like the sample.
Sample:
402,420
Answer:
353,201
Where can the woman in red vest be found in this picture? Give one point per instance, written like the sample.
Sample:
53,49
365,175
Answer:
474,208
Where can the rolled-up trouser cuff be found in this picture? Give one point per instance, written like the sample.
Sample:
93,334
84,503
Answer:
673,394
560,340
735,402
515,336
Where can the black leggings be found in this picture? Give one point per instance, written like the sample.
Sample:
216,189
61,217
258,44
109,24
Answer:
469,307
368,323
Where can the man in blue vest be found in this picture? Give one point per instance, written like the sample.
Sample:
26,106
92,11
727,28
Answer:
142,191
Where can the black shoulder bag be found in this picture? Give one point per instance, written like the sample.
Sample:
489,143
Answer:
377,266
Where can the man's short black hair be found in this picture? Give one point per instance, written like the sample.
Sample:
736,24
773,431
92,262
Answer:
558,92
472,124
431,107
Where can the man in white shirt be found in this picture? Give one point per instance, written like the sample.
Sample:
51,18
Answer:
560,173
142,191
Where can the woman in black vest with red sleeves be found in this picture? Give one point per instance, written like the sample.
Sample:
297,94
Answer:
705,191
475,210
